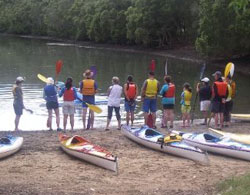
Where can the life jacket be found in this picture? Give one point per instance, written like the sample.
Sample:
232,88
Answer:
131,90
88,87
170,93
151,89
221,88
172,138
69,94
187,98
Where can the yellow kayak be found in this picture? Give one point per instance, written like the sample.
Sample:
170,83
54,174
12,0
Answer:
243,138
244,117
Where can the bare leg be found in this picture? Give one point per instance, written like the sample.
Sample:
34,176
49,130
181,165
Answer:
221,119
49,120
72,121
57,117
127,117
154,118
65,118
145,118
84,112
132,117
165,117
17,119
92,118
183,119
171,114
108,122
188,119
216,120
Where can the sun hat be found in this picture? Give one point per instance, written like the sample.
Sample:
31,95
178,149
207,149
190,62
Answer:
50,81
88,73
19,79
218,73
206,80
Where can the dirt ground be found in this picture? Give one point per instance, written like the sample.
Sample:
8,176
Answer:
41,167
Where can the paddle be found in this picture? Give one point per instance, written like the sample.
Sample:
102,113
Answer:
94,70
166,68
229,69
42,78
152,66
193,108
59,64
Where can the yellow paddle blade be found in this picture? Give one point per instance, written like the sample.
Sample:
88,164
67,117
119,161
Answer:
228,69
94,108
42,78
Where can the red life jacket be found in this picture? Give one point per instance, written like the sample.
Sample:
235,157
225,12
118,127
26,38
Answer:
131,90
69,95
221,88
170,93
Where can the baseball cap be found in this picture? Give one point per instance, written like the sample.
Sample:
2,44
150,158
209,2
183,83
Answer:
206,80
218,73
19,79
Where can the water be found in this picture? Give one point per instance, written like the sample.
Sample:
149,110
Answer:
27,57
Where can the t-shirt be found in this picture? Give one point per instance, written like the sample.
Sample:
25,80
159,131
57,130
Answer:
114,97
18,95
205,93
166,100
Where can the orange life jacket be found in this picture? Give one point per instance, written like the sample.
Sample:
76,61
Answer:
221,88
69,95
131,90
88,87
170,93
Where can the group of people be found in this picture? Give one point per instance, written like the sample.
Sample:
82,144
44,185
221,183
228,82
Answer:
217,98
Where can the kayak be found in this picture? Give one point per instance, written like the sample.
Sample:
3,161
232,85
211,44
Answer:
81,148
10,145
243,138
150,138
214,144
241,117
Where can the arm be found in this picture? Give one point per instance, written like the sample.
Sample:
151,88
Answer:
125,91
198,87
109,90
96,87
163,89
81,87
143,89
75,93
19,95
62,92
137,92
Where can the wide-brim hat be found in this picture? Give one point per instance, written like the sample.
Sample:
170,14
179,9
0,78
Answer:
88,74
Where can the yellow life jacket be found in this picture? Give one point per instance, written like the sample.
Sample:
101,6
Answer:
187,97
172,138
151,89
88,87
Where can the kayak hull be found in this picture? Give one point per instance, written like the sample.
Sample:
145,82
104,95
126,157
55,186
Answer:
91,156
9,149
175,148
241,117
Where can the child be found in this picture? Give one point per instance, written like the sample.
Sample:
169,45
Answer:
186,104
114,99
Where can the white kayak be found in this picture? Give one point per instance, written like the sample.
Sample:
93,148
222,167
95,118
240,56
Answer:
212,143
83,149
10,145
150,138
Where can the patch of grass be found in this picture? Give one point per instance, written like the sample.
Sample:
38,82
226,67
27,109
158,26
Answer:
235,185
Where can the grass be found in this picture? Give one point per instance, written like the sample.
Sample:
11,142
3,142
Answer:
235,186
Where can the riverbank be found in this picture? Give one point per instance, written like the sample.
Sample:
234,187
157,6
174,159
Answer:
42,168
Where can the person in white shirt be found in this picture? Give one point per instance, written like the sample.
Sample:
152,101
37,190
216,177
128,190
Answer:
114,99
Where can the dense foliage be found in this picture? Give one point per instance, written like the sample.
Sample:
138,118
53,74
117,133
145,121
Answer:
217,27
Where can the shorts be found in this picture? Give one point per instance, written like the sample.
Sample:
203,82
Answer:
117,112
52,105
149,105
90,99
218,107
130,106
205,105
68,107
18,109
185,109
168,106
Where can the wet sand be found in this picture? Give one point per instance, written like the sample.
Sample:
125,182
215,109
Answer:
41,167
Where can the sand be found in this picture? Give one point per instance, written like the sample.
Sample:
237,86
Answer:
41,167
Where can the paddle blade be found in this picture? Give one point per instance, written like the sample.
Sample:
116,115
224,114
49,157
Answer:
166,68
42,78
152,66
94,108
229,70
94,70
202,71
59,64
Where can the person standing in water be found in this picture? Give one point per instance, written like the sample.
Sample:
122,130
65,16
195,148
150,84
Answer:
114,99
50,95
130,90
168,101
149,93
88,88
69,95
18,100
186,104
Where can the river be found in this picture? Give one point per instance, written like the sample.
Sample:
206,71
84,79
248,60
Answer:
28,57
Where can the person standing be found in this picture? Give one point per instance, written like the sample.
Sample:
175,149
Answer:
88,88
50,95
168,101
205,94
114,99
69,95
229,100
186,97
18,100
130,90
219,94
149,93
